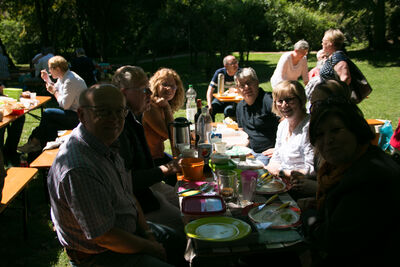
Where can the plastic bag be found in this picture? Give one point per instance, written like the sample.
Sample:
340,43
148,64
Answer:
386,132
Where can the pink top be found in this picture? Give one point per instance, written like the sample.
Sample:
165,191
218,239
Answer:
395,140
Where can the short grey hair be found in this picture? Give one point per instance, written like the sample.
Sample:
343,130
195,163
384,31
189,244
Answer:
128,76
246,73
301,45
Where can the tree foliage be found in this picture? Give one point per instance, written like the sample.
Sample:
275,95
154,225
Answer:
151,28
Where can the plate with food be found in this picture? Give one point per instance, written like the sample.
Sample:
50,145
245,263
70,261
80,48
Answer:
279,219
217,229
272,185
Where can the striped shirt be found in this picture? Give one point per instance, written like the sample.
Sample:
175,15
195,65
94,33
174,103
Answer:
90,192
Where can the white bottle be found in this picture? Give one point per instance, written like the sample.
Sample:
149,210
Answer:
191,107
204,125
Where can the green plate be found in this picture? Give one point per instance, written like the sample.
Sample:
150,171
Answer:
217,229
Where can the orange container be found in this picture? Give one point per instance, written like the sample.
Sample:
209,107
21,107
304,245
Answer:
193,169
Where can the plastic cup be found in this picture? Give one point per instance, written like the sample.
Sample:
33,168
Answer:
220,147
33,95
248,186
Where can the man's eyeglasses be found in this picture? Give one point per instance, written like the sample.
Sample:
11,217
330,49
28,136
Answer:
173,87
288,100
232,63
243,84
105,112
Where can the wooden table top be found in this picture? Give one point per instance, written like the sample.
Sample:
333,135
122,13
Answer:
10,118
45,160
16,180
237,98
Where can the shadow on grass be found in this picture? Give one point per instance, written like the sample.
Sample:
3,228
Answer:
42,247
379,58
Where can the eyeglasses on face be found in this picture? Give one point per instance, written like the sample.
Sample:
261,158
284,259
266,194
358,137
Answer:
102,112
288,100
173,87
233,63
242,85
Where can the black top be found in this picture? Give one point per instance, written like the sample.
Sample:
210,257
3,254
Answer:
327,72
137,158
358,221
84,67
258,121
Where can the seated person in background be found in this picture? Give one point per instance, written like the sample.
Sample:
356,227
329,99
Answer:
292,65
254,115
293,151
215,106
353,176
84,67
321,57
66,91
96,217
158,200
167,97
41,62
4,72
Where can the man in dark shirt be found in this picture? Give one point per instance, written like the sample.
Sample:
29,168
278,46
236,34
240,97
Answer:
215,106
254,115
157,199
84,67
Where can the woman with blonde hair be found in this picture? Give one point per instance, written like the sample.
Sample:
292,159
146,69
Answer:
66,91
293,150
335,67
167,97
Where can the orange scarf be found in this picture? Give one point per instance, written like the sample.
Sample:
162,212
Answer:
329,175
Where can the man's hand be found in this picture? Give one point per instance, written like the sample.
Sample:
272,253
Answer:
171,167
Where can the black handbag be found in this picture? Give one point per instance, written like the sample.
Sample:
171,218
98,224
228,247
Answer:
360,88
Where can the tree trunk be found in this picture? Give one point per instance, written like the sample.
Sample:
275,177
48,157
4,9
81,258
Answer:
41,7
379,25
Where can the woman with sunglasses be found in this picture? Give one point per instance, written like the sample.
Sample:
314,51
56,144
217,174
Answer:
167,97
293,151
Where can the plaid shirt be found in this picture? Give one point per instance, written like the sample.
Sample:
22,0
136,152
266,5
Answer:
90,192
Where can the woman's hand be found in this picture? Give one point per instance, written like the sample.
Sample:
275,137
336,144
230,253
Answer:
302,184
50,88
268,152
45,76
161,102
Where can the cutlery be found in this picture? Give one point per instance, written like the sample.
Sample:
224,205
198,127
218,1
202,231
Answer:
269,214
269,201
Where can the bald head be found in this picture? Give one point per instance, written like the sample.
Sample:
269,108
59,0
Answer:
102,112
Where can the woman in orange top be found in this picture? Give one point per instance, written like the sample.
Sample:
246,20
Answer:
167,97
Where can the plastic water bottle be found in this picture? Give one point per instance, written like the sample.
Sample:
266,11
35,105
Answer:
191,107
204,126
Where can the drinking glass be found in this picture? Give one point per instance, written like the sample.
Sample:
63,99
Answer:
227,185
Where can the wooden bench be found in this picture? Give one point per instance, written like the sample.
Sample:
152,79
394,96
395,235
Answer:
16,181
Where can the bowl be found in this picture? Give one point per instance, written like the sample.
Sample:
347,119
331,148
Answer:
218,158
192,169
17,112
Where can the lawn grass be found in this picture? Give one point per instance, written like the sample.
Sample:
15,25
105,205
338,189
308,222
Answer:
381,68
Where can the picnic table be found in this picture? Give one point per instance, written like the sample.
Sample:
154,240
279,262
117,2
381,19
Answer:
266,242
